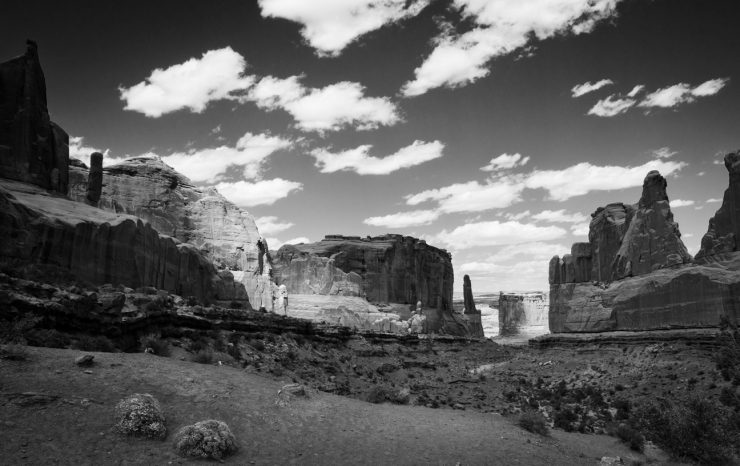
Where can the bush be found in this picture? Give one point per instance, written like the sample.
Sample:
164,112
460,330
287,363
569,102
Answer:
204,356
159,346
14,352
94,343
48,338
140,415
699,430
631,437
564,419
381,393
534,421
205,439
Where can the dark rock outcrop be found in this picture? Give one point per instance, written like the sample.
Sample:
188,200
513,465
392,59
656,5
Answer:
472,314
724,228
95,179
152,190
32,148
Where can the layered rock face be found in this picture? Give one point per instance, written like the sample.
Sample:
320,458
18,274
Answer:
152,190
472,314
32,148
641,275
522,313
724,228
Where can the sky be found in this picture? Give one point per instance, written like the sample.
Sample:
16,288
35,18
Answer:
490,128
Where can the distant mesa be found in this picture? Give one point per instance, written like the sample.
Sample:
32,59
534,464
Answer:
522,314
636,274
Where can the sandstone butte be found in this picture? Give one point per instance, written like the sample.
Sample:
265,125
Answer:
382,269
636,274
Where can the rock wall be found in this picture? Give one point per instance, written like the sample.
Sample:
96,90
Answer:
32,148
641,275
152,190
525,313
471,313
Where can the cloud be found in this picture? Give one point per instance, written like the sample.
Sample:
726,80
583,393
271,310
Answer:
330,26
635,90
560,216
672,96
265,192
518,216
713,200
80,151
216,75
664,153
495,233
676,203
358,160
473,196
611,106
505,162
580,229
403,219
518,276
584,177
499,28
532,251
271,225
209,165
583,89
274,244
329,108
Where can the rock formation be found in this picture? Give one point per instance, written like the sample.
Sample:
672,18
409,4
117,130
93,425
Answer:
524,313
32,148
152,190
724,228
472,314
641,275
95,179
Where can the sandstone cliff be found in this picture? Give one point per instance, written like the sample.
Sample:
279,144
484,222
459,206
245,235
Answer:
32,148
724,228
641,276
472,314
152,190
524,313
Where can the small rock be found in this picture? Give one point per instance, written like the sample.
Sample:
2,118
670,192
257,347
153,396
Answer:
85,360
88,371
458,406
610,461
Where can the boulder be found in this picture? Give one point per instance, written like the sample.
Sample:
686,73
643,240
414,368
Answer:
724,227
32,148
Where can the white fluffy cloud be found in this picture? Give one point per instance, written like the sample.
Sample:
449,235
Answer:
271,225
505,162
495,233
216,75
472,196
359,161
330,25
501,26
713,200
611,106
264,192
583,89
326,109
403,219
676,203
584,177
560,216
208,165
672,96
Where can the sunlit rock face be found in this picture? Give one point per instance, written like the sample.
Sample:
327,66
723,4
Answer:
642,277
522,313
32,148
154,191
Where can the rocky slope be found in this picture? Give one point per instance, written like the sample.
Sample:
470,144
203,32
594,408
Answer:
635,272
152,190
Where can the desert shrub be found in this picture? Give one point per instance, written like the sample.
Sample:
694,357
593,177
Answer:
204,356
48,338
381,393
198,344
699,430
205,439
534,421
259,345
94,343
623,408
140,415
564,419
13,352
159,346
235,305
729,397
727,357
631,437
14,330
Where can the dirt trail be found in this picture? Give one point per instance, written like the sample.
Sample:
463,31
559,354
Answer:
69,420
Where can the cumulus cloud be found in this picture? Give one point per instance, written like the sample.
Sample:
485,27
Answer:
580,229
500,27
216,75
560,216
583,89
326,109
676,203
505,162
411,218
264,192
672,96
584,177
472,196
664,153
331,25
81,151
533,251
208,165
271,225
495,233
611,106
359,161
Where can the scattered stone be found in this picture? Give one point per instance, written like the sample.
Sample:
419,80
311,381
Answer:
205,439
140,415
85,360
610,461
88,371
290,391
